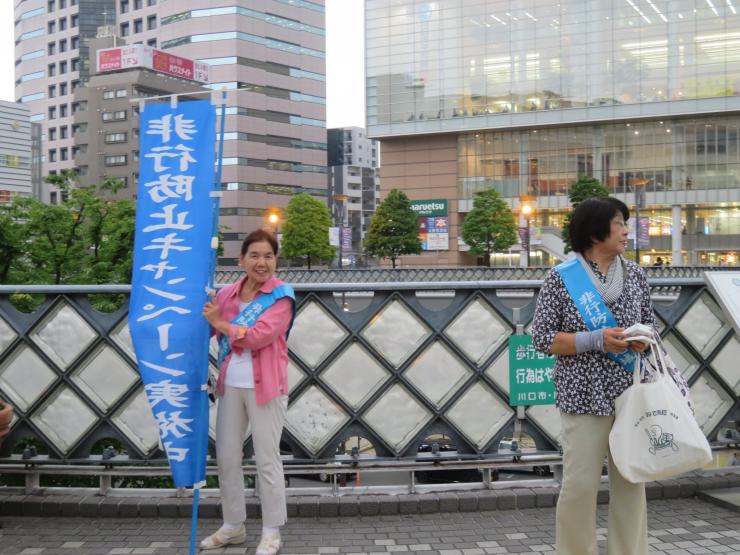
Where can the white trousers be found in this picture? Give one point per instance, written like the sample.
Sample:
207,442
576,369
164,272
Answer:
236,410
585,442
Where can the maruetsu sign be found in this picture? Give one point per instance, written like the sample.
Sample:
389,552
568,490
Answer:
138,55
437,207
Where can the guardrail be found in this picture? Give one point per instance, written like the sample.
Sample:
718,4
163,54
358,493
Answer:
385,366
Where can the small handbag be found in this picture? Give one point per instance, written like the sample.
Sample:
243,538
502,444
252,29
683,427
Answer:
655,435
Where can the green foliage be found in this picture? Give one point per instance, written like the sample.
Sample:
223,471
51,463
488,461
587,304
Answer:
585,188
88,238
306,230
490,226
394,228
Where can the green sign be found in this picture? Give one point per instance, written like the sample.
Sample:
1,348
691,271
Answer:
434,207
530,374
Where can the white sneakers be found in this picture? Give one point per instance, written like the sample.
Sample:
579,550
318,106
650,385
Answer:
269,545
225,536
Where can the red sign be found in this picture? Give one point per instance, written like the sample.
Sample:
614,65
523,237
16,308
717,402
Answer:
172,65
109,60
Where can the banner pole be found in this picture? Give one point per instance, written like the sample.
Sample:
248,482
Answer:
215,203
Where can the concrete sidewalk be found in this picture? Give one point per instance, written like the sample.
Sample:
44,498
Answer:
681,526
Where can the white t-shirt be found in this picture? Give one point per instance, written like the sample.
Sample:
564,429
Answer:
240,372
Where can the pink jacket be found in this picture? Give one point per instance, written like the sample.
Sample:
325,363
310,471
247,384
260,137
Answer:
266,340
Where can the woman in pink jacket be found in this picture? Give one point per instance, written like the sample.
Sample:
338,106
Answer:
252,319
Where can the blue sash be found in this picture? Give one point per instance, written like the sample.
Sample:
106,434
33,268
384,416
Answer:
591,306
251,313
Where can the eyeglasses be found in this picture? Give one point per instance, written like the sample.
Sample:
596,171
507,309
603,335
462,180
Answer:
621,224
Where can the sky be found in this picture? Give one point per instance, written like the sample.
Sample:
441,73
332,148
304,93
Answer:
345,93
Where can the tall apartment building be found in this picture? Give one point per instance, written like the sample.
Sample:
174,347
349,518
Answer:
20,171
523,97
269,55
353,180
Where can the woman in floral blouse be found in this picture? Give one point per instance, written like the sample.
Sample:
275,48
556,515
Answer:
594,364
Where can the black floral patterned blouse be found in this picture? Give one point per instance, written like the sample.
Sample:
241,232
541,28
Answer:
589,382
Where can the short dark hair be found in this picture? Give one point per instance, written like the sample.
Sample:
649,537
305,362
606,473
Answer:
591,221
257,236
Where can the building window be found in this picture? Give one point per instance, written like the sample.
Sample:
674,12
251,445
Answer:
151,2
62,4
152,43
52,112
52,91
63,45
74,43
63,111
138,25
64,153
138,4
124,6
52,133
75,84
52,155
52,70
62,89
75,64
114,116
63,132
107,95
62,68
63,24
53,197
50,6
151,22
73,20
52,48
116,160
121,93
51,27
111,138
125,29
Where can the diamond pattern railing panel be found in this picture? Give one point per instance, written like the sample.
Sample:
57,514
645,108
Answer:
393,367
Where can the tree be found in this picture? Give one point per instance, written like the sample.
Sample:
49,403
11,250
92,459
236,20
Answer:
585,188
306,229
490,226
88,238
394,228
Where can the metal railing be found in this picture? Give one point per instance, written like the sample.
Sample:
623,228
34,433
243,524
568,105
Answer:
386,365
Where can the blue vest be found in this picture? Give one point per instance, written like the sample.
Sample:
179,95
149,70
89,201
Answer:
251,313
592,307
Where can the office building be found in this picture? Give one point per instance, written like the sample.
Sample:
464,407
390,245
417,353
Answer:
19,152
354,188
52,60
269,55
525,97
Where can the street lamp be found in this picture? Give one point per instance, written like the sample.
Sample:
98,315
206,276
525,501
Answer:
527,213
274,219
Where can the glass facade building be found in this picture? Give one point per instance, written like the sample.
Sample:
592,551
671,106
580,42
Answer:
532,94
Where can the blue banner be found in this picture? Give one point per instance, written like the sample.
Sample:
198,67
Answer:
171,274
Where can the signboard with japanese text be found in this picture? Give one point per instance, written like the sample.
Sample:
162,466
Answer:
433,224
530,374
643,232
139,55
434,207
171,273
